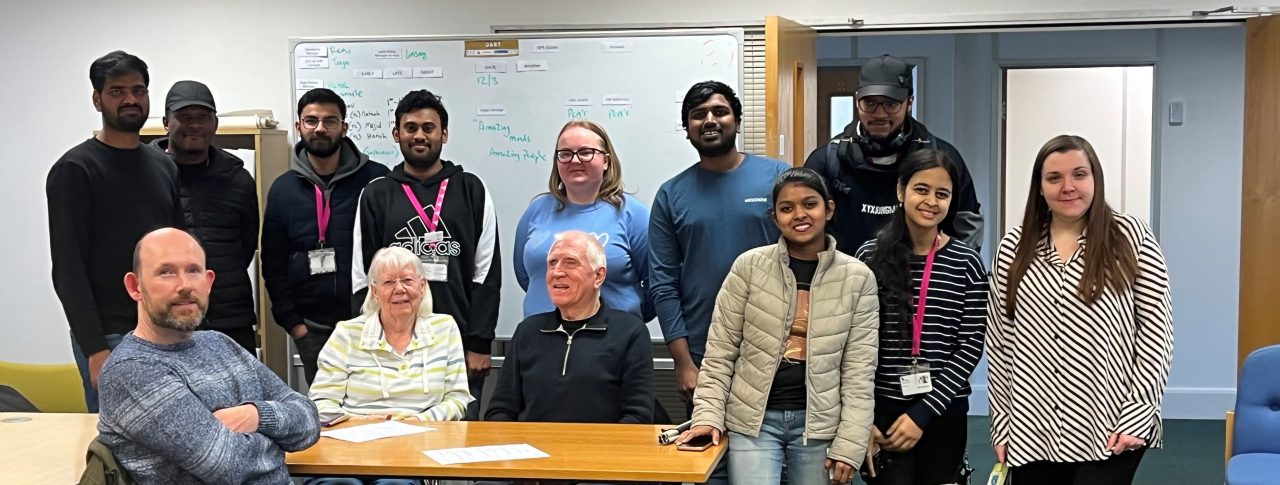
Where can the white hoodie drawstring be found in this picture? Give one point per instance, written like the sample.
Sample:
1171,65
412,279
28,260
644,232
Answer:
381,383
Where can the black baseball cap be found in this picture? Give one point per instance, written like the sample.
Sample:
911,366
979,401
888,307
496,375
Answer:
188,93
885,76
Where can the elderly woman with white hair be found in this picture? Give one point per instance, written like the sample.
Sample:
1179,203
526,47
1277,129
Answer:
397,360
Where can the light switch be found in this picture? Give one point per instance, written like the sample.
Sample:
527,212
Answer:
1175,113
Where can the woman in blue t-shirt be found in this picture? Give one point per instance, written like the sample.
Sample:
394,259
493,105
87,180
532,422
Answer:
586,195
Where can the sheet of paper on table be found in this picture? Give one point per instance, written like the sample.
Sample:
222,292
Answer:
476,454
370,432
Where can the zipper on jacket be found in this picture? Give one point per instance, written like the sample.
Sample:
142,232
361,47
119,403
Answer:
564,367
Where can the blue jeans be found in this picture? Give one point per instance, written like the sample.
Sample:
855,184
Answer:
758,460
82,363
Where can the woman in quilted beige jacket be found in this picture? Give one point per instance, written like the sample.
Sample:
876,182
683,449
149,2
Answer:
792,350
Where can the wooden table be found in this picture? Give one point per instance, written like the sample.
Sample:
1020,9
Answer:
610,452
44,448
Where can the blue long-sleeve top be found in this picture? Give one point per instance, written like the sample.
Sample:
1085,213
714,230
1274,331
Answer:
157,413
701,221
624,233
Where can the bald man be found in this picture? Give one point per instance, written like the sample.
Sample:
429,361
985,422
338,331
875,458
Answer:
179,406
583,362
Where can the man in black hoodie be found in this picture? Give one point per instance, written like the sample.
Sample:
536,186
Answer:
445,216
308,224
861,164
220,202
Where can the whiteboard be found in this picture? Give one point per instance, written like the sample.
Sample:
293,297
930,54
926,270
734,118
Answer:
508,96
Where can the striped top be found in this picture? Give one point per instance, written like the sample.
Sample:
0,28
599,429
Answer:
360,374
1065,375
955,317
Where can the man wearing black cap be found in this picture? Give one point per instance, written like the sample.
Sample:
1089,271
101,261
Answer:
220,203
861,164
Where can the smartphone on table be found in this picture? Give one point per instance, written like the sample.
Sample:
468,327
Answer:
699,443
330,419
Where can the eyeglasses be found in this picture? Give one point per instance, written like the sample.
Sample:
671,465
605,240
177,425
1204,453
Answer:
329,123
867,105
584,155
389,285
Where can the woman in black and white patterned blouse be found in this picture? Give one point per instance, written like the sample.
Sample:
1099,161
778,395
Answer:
1079,332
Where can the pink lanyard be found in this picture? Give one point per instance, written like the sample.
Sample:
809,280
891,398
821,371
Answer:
435,218
322,214
917,323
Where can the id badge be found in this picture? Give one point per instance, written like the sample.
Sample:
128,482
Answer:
917,380
433,237
322,261
437,272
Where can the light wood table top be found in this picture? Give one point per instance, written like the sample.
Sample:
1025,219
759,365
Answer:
40,448
611,452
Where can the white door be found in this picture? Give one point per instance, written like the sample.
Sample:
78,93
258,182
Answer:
1109,106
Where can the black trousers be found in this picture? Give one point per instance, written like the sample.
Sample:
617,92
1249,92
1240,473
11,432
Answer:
1117,470
935,459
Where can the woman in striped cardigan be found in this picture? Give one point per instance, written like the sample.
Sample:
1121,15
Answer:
1079,330
397,360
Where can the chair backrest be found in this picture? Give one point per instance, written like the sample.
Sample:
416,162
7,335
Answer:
12,401
1258,403
101,467
52,388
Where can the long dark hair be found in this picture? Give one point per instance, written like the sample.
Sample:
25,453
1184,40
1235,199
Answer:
1107,261
890,260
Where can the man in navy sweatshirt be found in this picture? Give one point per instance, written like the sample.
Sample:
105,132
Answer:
104,194
308,223
702,219
583,362
180,406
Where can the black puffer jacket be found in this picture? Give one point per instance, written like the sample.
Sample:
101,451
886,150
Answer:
220,203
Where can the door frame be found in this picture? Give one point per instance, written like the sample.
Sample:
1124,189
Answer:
998,136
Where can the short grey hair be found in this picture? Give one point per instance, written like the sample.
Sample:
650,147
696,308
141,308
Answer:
392,258
595,252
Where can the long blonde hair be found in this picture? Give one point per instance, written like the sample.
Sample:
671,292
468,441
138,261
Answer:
610,187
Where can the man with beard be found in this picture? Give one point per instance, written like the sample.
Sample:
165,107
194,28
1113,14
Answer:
702,219
103,195
445,216
220,201
180,406
308,223
861,164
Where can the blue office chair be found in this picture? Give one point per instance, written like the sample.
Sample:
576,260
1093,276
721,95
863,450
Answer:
1255,449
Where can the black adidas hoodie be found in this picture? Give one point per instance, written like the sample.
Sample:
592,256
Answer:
469,222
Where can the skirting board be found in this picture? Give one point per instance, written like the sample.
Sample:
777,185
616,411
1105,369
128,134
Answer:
1179,402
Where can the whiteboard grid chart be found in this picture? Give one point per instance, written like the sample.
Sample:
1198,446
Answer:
508,96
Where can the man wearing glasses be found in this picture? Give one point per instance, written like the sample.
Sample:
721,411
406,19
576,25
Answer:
443,214
220,202
861,164
308,224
